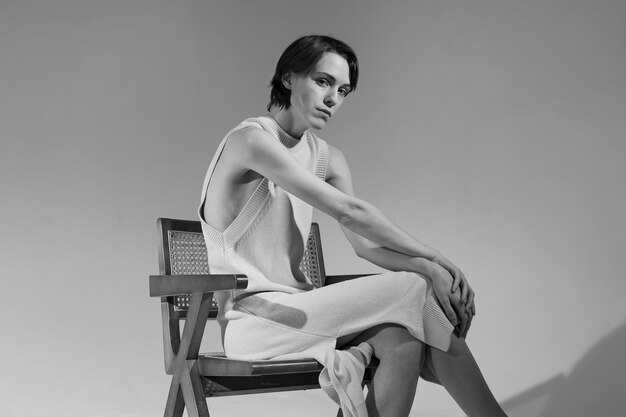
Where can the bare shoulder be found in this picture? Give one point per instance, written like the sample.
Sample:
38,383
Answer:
334,152
249,138
251,143
337,164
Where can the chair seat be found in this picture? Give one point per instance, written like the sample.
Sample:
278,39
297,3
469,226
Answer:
217,364
224,376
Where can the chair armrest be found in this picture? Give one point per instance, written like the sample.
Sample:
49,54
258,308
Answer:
334,279
168,285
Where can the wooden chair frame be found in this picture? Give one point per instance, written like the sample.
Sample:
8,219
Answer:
196,376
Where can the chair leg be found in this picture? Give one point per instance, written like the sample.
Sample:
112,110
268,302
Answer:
193,392
175,401
186,390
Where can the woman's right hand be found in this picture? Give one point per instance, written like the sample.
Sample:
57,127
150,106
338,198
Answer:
451,303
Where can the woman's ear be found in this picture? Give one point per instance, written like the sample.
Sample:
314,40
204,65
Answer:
287,80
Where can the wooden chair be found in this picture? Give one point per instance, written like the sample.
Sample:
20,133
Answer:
186,290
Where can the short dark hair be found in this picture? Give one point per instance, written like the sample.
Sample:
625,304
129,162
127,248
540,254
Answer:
301,56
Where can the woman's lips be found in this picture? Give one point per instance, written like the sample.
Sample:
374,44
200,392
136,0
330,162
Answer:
326,112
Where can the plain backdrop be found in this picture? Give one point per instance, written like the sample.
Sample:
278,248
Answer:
492,130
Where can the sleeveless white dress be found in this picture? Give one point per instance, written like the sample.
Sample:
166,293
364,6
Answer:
282,315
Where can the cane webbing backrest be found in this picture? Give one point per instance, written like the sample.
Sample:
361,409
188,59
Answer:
186,254
310,264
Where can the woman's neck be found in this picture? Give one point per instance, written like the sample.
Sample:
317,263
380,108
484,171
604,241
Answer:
288,122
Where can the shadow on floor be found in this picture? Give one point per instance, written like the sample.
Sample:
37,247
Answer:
596,387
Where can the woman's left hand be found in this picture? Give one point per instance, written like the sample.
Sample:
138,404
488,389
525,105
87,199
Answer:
467,294
453,307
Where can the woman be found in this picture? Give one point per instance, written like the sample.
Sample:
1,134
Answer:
267,175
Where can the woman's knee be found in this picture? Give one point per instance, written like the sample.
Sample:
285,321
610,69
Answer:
394,342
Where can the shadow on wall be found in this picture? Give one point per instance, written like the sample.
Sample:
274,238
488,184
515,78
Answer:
596,386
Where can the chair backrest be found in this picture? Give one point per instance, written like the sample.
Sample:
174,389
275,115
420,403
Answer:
182,251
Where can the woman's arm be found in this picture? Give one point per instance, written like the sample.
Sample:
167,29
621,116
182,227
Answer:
259,151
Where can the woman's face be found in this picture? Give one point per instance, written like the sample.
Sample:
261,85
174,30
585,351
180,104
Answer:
315,97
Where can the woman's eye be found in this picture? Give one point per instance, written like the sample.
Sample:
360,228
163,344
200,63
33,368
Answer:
323,82
344,92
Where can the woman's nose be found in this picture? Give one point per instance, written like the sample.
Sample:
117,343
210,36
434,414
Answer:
330,100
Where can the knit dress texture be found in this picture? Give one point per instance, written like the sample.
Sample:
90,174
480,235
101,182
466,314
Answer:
281,314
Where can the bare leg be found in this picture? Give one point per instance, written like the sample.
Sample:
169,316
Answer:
401,357
459,374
